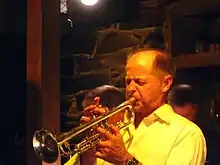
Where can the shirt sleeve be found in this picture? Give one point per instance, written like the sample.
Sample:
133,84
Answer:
189,149
74,160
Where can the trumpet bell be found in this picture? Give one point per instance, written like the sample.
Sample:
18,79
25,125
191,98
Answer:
45,146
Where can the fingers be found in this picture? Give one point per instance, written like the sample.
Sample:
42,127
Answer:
103,133
85,119
114,130
95,110
101,152
88,109
97,101
101,145
99,155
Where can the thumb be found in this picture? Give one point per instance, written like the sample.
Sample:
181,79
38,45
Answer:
114,130
96,101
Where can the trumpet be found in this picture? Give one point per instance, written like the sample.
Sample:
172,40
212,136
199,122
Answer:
48,146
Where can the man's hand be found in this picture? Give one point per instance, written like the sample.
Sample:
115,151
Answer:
89,157
112,148
94,109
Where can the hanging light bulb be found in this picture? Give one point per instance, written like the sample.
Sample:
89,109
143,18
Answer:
89,2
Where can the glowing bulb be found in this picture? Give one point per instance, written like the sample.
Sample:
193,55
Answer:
89,2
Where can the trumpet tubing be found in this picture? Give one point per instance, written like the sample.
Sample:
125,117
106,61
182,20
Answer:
48,146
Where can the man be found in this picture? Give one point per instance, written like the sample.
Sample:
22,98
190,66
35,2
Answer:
158,136
184,101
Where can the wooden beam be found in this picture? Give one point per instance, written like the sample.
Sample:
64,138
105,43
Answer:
34,41
34,76
51,65
43,87
50,117
197,60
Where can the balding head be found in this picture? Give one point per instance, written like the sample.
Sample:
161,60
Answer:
155,60
144,58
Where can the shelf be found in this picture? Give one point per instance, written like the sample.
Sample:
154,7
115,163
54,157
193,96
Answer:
197,60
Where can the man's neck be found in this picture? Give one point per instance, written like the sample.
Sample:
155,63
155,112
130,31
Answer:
138,120
139,116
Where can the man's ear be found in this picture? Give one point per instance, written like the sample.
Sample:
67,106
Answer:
166,83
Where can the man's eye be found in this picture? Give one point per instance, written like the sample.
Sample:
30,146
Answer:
140,82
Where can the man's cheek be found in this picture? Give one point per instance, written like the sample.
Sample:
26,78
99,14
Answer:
139,91
143,93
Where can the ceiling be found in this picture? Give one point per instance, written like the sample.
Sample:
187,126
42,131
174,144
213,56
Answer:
131,12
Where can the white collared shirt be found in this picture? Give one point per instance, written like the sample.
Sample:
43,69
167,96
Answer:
165,138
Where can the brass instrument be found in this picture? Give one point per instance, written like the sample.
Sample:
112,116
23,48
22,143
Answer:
48,146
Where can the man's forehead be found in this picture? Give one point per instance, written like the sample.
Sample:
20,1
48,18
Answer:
131,76
138,70
140,62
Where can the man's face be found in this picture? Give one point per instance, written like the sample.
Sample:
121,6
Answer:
142,84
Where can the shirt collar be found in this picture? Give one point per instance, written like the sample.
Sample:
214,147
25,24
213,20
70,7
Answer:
163,113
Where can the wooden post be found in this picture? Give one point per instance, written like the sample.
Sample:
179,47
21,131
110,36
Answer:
43,71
